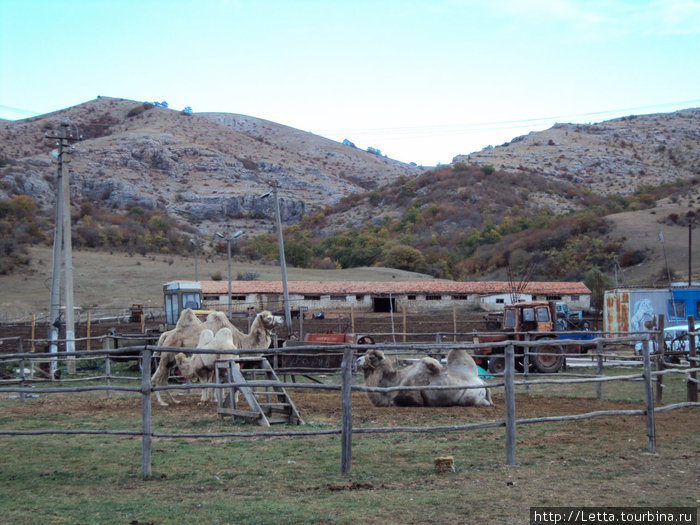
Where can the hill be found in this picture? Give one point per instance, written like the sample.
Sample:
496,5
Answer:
197,167
614,157
145,179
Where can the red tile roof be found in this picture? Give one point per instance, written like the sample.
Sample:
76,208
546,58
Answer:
394,287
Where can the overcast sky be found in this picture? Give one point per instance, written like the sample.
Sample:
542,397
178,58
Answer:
420,80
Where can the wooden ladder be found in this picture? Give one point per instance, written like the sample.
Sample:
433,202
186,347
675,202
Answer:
266,404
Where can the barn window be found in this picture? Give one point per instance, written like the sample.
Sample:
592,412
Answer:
500,301
554,297
211,297
676,309
359,297
238,297
339,298
574,297
411,297
433,297
460,297
312,298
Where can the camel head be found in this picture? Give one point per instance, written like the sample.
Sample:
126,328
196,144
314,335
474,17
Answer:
269,321
371,360
180,358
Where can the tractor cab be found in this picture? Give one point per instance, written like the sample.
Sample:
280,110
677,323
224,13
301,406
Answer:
179,295
532,316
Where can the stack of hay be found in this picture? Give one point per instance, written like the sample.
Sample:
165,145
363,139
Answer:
444,464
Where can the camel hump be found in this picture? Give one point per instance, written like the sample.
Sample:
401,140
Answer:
217,320
187,318
432,366
459,358
223,340
205,337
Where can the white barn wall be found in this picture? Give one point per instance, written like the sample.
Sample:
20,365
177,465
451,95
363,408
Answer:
362,296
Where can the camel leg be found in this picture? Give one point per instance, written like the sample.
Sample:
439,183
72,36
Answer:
204,398
160,378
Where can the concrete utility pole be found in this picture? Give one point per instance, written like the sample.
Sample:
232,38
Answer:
62,235
283,264
228,239
195,242
55,296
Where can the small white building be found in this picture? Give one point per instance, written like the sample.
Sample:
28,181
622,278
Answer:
375,296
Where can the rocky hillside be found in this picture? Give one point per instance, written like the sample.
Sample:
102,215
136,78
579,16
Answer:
613,157
200,167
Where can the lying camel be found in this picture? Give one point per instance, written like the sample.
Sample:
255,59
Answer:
201,366
461,370
188,329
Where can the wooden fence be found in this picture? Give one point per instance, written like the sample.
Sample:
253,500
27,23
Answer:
346,387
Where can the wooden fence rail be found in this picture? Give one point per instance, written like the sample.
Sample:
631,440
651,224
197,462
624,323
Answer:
347,387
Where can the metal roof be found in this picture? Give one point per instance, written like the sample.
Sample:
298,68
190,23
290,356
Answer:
393,287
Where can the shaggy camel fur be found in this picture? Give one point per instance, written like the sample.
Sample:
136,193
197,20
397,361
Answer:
201,366
461,370
260,335
185,335
188,329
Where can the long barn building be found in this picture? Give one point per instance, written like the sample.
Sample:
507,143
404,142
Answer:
375,296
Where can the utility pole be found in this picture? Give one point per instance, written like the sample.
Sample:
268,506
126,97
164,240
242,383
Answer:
62,235
196,243
283,264
228,239
55,296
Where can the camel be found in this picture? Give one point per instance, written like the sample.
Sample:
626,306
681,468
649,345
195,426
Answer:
185,335
187,332
461,370
201,366
260,330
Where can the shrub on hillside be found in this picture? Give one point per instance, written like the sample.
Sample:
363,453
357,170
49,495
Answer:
404,257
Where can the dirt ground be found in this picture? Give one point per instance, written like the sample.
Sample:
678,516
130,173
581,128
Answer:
322,405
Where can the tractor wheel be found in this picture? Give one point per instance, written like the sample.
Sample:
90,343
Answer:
547,359
497,365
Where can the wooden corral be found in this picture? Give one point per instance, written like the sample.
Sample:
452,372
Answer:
25,385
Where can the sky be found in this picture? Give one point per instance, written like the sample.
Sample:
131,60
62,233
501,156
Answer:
420,80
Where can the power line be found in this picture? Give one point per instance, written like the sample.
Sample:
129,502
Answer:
426,130
20,111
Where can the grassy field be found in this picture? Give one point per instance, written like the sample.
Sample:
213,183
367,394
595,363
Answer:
105,281
285,479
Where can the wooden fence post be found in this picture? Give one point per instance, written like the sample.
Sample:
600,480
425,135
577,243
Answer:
599,353
692,386
454,324
526,363
108,368
649,397
660,358
403,315
22,395
346,414
146,433
87,331
509,378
